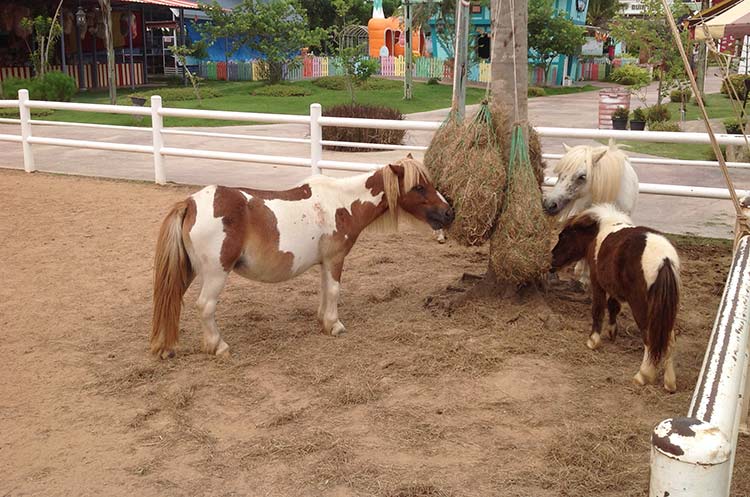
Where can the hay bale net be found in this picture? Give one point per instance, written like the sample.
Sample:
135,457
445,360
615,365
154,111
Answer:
468,161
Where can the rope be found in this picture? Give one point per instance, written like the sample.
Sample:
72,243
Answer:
714,144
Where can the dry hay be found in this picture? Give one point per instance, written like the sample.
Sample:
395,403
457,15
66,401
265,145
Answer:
477,183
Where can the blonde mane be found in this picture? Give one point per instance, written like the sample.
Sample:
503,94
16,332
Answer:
604,176
414,171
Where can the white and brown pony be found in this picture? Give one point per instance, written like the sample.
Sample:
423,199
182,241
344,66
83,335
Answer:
272,236
630,264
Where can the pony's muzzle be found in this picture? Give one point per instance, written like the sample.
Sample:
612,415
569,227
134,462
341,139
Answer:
439,219
552,207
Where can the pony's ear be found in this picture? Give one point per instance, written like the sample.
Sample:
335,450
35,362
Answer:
583,223
409,156
596,155
397,170
567,147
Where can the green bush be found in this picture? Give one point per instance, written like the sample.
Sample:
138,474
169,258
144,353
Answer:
364,135
621,113
12,85
433,81
664,126
737,81
536,91
657,114
331,82
639,114
631,75
178,94
678,95
282,90
734,126
55,86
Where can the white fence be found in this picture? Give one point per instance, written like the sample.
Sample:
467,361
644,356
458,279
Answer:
691,456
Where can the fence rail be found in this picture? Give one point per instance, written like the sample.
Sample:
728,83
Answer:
691,456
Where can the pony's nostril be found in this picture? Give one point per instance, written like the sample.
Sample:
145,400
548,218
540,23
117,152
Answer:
551,206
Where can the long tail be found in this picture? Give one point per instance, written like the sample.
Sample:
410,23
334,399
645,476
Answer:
172,277
663,301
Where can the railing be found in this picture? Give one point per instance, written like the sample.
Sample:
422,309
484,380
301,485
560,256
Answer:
314,159
694,456
691,456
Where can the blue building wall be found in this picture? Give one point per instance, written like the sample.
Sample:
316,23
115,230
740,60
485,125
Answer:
480,22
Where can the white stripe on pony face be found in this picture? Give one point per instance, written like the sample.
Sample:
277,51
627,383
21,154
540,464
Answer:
440,195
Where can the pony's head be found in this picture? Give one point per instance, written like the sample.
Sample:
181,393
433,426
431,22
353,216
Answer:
585,172
408,187
581,231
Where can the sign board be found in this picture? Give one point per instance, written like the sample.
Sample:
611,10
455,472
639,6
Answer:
592,47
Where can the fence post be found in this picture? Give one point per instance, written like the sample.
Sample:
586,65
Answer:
157,123
316,135
25,113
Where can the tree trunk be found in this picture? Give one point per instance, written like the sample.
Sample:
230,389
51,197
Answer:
106,7
509,86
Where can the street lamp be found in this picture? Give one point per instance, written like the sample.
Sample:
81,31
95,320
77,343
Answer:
80,17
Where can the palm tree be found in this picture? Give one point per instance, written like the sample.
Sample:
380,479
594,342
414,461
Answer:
510,77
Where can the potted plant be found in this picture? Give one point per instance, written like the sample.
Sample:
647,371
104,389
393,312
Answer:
620,118
638,121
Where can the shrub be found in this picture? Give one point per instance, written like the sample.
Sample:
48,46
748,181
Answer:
734,126
12,85
55,86
621,113
678,95
735,80
365,135
664,126
282,90
639,114
631,75
433,81
657,113
331,82
178,94
535,91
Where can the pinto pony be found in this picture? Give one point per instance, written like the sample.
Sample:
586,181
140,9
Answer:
629,264
273,236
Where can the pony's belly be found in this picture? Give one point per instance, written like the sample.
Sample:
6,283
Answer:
280,266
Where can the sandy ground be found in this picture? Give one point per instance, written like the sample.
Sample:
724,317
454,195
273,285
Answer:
499,398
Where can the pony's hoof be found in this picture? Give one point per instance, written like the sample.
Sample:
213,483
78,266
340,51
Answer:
670,386
166,354
639,380
338,329
593,342
222,350
612,332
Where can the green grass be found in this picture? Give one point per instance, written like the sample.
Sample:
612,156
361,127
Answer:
685,151
566,90
237,96
718,106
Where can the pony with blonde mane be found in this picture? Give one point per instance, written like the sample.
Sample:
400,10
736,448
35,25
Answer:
273,236
592,175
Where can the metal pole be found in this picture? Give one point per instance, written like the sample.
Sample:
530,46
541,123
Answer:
63,65
316,136
143,44
407,51
94,66
25,113
130,47
182,43
157,123
81,75
460,68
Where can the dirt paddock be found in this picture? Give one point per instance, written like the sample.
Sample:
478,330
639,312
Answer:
498,399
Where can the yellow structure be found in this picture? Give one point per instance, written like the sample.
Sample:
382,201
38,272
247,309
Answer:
386,38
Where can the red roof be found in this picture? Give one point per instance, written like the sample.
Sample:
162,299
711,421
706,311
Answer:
177,4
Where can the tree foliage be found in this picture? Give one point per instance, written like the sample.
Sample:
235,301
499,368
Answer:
46,32
601,12
277,29
357,67
552,33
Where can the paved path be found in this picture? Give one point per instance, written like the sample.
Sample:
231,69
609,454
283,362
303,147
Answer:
672,214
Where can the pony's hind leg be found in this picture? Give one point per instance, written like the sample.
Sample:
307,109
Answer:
213,284
647,372
613,306
670,378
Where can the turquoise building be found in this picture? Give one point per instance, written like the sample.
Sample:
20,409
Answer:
479,29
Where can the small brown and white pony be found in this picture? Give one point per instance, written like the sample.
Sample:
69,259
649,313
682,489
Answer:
273,236
630,264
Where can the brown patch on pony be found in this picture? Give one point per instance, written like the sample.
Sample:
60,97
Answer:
574,241
173,274
250,226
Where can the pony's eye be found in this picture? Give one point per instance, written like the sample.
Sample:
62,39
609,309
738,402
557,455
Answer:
582,177
419,189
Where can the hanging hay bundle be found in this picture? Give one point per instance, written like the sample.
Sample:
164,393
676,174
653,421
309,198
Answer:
466,163
520,245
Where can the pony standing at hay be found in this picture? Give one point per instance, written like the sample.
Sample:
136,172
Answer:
629,264
592,175
273,236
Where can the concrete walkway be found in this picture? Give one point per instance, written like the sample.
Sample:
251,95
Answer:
672,214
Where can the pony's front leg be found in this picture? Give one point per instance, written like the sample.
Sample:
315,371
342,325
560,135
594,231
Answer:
599,299
331,274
